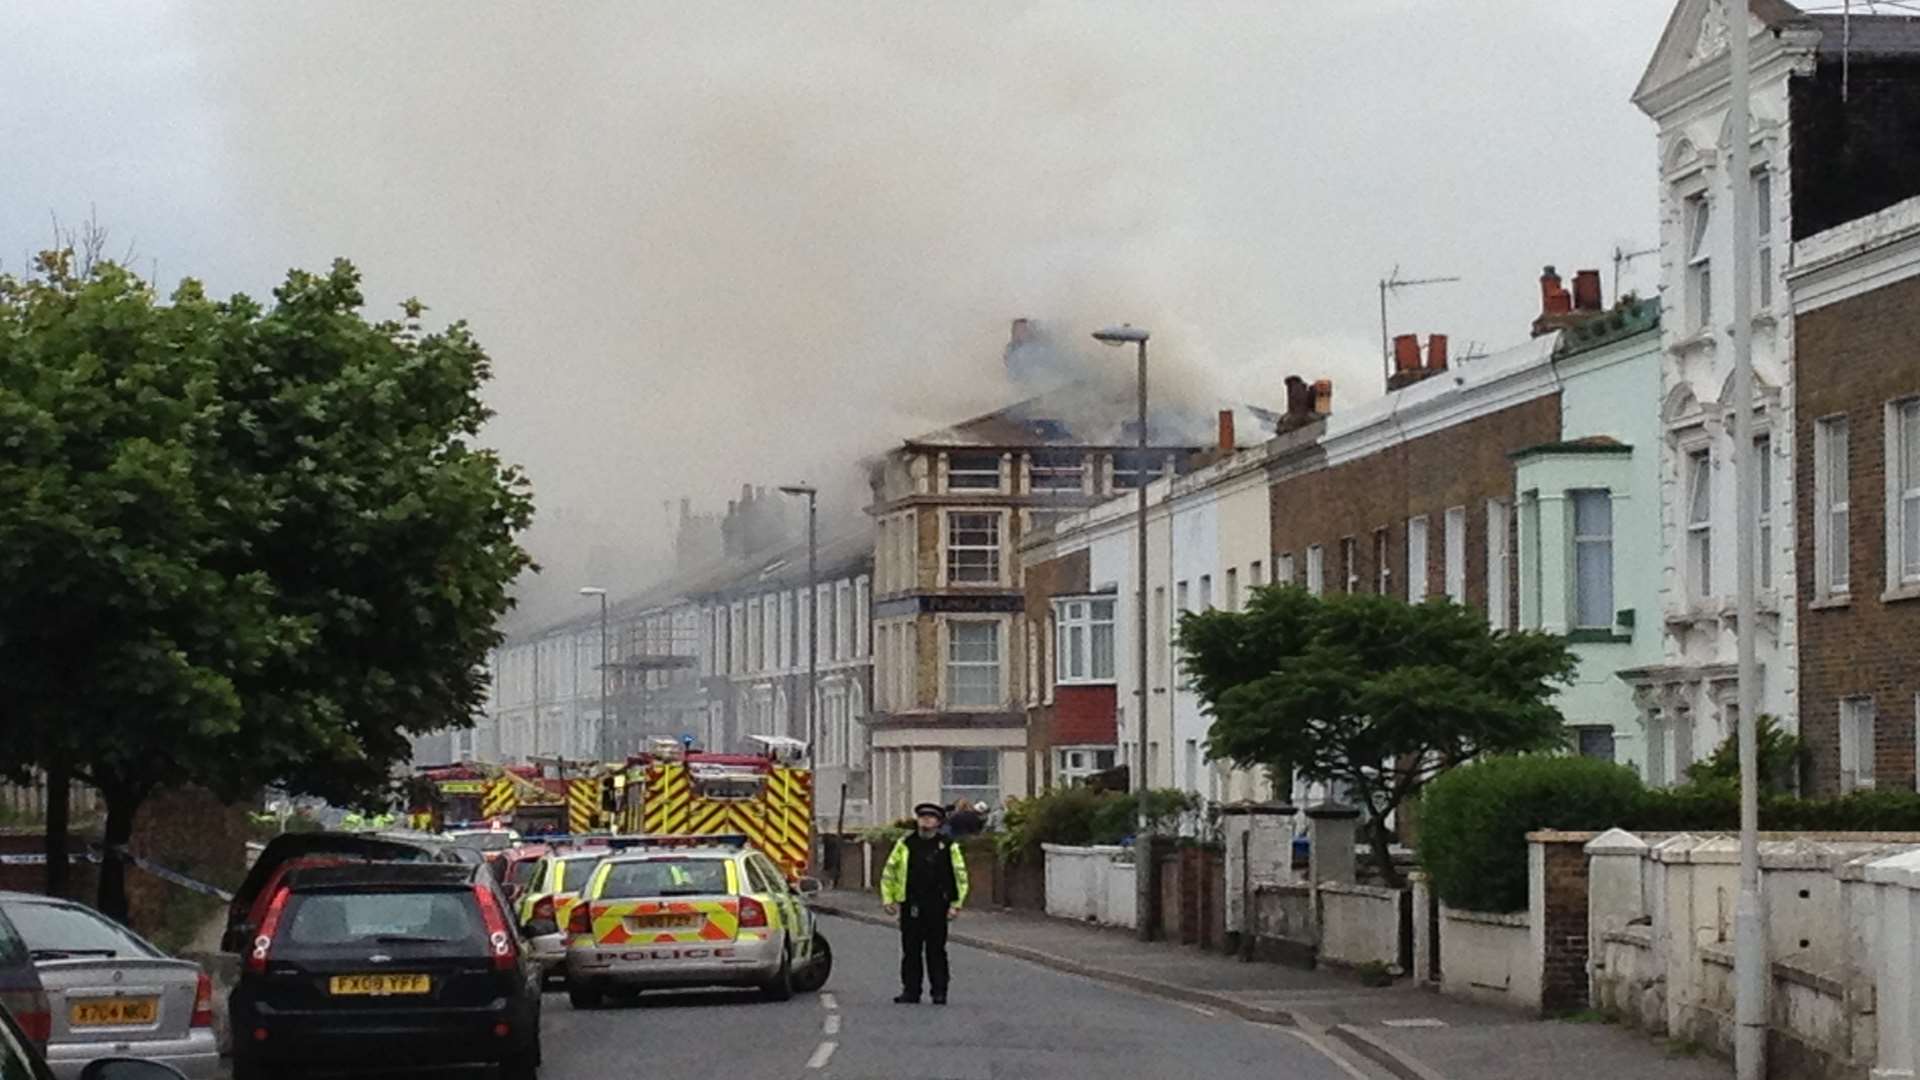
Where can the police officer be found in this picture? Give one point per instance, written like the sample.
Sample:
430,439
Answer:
924,882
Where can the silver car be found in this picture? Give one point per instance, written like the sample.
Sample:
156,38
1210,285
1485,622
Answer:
113,993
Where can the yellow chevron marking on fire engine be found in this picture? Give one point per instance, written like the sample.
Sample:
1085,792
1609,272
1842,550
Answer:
583,805
499,799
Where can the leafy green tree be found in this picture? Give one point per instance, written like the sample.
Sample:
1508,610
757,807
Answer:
239,543
1369,693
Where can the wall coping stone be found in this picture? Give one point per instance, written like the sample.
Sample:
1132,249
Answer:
1616,842
1559,836
1718,953
1641,936
1800,969
1517,919
1675,848
1275,809
1284,888
1079,849
1901,869
1376,892
1333,811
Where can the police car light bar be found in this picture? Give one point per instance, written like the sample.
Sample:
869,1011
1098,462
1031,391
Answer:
696,840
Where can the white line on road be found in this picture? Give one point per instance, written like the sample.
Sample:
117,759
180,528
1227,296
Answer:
1329,1053
1191,1007
833,1024
829,1002
824,1053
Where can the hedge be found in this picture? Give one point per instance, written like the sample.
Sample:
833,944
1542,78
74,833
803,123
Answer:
1474,820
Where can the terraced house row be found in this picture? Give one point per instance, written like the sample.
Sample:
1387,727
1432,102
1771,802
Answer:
979,624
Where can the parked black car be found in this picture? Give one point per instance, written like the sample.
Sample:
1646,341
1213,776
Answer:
386,965
289,851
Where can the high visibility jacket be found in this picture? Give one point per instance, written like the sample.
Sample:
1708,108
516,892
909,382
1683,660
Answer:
952,887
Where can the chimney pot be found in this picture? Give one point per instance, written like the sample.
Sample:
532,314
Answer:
1227,442
1586,290
1437,352
1406,353
1323,397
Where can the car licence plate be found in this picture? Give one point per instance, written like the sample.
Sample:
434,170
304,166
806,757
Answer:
112,1012
379,984
663,922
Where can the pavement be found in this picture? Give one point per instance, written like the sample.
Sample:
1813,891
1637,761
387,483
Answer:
1400,1031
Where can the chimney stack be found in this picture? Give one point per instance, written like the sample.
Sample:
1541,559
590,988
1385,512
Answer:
1227,442
1436,353
1299,396
1586,290
1406,353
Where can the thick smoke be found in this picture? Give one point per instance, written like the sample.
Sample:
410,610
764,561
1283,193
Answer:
713,244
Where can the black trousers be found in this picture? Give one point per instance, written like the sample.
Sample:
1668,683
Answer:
923,929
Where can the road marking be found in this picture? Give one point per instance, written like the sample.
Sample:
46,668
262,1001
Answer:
824,1053
1191,1007
1416,1022
829,1002
1328,1052
833,1024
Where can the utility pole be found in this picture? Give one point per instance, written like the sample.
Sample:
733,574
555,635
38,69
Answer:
1393,283
1751,974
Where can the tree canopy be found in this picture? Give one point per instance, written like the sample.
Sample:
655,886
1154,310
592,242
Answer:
1368,693
240,543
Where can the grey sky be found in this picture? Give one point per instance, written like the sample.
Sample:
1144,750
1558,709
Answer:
710,244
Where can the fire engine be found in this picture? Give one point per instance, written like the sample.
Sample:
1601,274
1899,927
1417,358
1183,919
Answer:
766,795
519,796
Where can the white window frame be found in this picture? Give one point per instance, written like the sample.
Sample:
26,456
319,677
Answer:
1532,595
1382,557
1831,436
1283,568
1763,510
997,665
988,793
1857,718
1254,580
1316,570
1903,494
1696,216
1233,588
1697,521
1350,564
1455,556
1763,237
973,478
1499,513
995,562
1586,545
1206,593
1077,621
1417,528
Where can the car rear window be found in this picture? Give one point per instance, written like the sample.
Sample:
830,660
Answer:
666,877
523,871
386,916
50,928
484,841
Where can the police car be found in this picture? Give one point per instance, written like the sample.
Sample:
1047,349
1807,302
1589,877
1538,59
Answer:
692,911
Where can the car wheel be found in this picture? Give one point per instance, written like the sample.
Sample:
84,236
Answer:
780,987
522,1066
818,968
583,995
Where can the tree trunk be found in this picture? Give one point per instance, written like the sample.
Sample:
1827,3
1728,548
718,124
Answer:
121,807
1381,842
59,868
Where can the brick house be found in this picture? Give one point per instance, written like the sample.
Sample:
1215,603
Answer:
1856,290
1833,111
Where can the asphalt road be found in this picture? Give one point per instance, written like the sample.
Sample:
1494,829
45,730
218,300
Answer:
1008,1020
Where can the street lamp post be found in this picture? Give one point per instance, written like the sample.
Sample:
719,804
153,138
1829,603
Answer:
813,614
1142,850
606,727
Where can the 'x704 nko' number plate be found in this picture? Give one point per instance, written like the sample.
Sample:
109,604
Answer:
379,984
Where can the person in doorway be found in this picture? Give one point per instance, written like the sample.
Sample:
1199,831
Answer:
924,883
